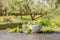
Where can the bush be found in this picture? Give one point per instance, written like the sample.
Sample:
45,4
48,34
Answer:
42,22
47,31
28,31
8,25
45,22
16,29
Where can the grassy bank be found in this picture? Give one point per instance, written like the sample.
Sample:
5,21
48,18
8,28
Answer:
16,20
9,25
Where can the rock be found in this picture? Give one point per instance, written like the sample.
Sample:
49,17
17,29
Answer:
21,31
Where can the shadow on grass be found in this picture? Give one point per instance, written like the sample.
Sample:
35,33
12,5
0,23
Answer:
52,32
9,25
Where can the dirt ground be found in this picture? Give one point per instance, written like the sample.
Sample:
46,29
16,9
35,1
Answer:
4,35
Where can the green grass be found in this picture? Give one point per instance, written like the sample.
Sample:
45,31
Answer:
9,25
16,20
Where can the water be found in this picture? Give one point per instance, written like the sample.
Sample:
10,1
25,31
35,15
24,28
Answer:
4,35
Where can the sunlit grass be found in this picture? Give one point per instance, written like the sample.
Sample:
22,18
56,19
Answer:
26,19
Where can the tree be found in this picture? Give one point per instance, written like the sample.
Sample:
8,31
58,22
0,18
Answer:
1,10
29,7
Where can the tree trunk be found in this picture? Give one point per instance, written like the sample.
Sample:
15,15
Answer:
21,16
32,16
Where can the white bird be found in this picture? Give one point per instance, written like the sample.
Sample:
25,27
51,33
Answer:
34,27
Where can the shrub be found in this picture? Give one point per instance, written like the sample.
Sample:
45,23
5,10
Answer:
4,26
42,22
28,31
13,29
45,22
47,31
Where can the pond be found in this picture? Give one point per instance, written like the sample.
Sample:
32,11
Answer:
4,35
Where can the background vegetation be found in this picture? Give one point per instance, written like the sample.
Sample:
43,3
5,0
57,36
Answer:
16,11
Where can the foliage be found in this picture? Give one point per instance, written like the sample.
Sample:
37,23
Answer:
47,31
4,26
42,22
24,7
13,29
28,31
45,22
28,7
